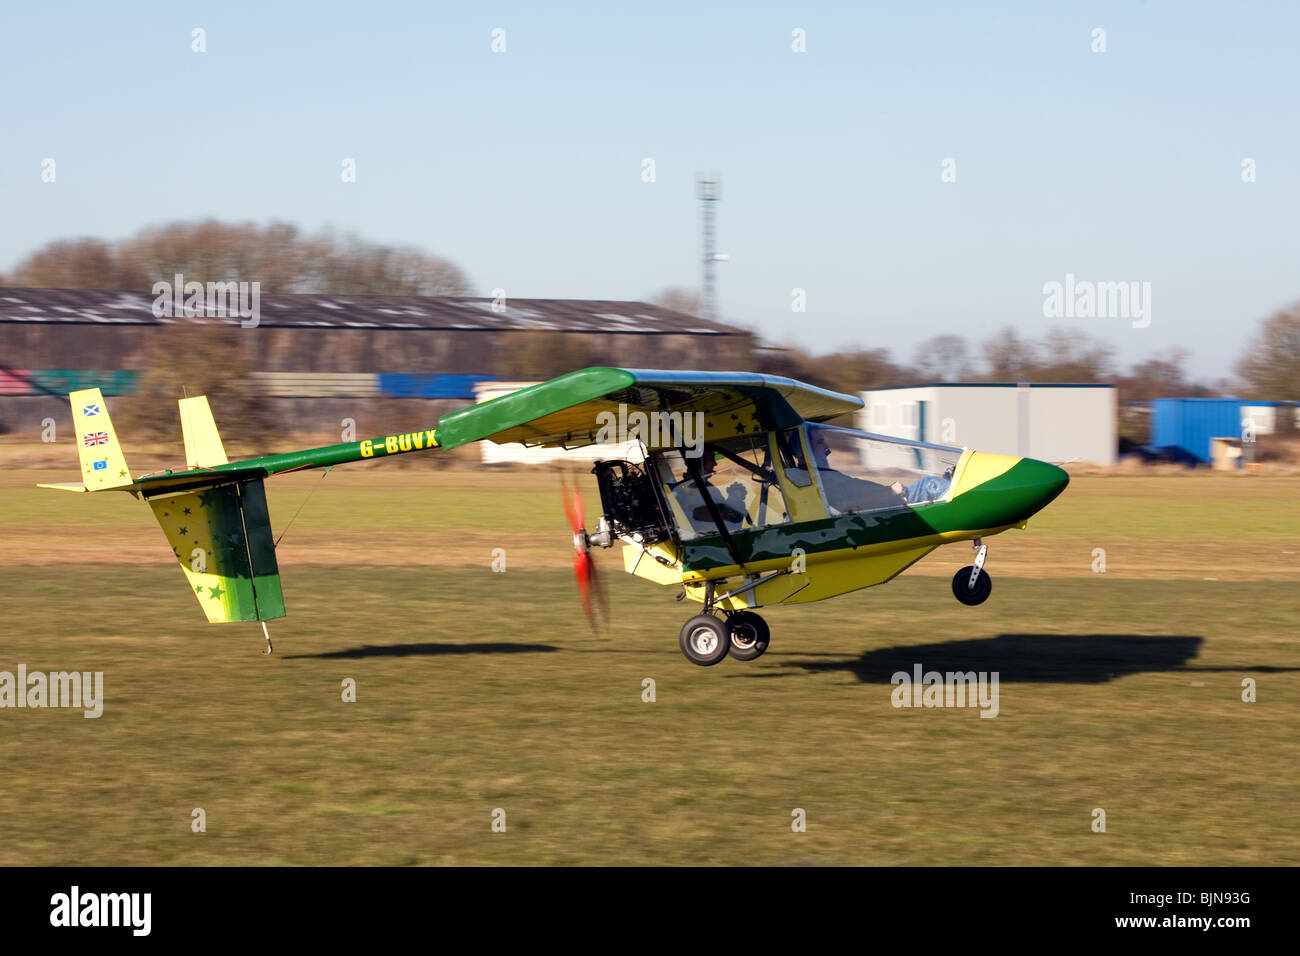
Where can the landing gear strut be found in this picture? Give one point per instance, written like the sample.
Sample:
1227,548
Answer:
972,584
706,640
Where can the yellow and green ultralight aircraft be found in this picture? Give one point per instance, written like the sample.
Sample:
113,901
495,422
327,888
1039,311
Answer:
742,496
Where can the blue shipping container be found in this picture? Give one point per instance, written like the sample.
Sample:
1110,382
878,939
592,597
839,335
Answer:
1189,423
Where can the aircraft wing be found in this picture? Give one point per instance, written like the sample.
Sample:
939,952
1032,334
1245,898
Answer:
571,410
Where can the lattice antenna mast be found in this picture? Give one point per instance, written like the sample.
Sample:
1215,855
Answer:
708,189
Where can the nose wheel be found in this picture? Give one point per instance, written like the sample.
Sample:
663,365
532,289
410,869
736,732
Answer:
972,584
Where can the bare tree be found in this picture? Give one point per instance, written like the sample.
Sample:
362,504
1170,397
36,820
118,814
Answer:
277,256
1270,366
1160,378
1067,355
74,264
861,369
943,358
686,301
1008,357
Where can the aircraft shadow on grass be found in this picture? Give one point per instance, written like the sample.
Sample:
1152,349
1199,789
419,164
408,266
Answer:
422,650
1032,658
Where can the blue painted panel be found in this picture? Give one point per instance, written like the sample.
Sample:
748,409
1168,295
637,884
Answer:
401,385
1190,423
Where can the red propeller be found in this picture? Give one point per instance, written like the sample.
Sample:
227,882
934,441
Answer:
584,568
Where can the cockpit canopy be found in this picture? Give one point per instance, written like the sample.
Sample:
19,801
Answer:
804,473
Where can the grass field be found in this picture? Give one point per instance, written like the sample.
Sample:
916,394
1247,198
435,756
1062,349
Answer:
478,690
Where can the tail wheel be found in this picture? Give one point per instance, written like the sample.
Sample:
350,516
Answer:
705,640
749,635
962,590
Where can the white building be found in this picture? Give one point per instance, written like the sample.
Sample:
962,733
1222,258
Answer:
1269,417
1055,423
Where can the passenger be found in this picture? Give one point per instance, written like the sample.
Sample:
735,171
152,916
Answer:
924,489
731,506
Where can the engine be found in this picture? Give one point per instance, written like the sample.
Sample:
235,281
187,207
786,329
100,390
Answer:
630,501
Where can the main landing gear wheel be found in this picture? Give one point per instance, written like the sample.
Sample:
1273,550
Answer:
749,635
968,594
705,640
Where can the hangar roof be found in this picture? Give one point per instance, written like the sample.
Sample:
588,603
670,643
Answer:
91,307
896,388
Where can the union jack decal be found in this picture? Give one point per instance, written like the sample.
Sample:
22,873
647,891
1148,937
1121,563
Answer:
95,438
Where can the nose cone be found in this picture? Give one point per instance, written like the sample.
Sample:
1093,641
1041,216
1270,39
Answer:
1002,490
1042,482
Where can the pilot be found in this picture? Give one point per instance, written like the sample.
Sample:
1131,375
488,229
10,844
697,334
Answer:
845,493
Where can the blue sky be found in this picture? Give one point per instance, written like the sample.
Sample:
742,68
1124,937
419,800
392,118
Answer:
525,167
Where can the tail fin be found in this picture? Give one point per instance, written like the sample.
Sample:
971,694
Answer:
203,447
221,535
103,465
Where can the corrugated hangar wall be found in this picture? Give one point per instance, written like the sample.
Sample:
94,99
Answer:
356,350
398,362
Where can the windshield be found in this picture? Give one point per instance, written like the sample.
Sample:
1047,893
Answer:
859,471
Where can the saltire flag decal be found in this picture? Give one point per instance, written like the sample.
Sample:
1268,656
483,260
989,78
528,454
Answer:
96,438
90,410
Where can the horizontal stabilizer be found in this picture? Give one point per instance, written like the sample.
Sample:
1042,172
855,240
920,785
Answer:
63,485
